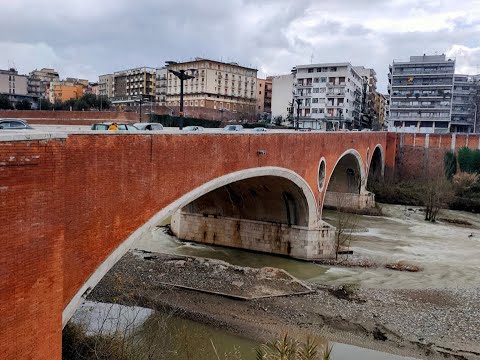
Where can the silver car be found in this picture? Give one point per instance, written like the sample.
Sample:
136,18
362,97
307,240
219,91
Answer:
193,128
14,124
148,126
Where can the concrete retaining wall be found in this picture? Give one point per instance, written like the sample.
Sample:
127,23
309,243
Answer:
296,241
350,201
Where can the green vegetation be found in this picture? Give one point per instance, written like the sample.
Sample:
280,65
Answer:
5,103
290,349
174,121
450,164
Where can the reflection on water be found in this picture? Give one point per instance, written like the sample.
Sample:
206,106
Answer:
448,254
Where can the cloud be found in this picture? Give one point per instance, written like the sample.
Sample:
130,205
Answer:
86,38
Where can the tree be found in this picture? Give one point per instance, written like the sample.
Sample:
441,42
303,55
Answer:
435,195
45,104
450,164
345,224
5,103
23,105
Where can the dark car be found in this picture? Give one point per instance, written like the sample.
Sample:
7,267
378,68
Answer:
14,124
105,126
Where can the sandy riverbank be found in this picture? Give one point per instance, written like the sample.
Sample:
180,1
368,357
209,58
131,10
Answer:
419,323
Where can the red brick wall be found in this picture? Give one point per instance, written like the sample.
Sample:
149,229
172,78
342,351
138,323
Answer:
68,209
31,258
415,160
69,117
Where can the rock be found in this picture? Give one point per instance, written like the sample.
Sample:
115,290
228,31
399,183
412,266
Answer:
180,263
237,283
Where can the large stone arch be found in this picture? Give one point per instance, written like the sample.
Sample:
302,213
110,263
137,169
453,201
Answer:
346,183
310,214
376,165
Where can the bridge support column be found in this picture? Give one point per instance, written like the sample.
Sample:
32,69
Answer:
296,241
337,200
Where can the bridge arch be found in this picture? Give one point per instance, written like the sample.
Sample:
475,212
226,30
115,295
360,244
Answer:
376,165
346,181
297,193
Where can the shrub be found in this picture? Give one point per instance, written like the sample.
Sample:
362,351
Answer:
463,182
450,164
469,160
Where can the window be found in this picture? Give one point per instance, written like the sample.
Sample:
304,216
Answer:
316,80
323,79
260,93
315,100
310,70
314,110
321,111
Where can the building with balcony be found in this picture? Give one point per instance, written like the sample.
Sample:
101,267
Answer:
420,94
134,85
15,87
39,82
61,91
161,86
380,108
369,118
105,85
464,104
331,96
226,87
264,97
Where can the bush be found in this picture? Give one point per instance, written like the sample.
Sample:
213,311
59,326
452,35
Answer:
464,182
450,164
469,160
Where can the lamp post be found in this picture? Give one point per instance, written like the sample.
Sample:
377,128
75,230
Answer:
475,121
299,103
182,75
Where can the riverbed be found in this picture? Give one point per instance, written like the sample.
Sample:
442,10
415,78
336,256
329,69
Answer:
447,253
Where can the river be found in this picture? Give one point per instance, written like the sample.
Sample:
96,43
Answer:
448,255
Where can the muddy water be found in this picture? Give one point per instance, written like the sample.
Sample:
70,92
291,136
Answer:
447,253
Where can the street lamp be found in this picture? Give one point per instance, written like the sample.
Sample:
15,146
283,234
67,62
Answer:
299,103
182,75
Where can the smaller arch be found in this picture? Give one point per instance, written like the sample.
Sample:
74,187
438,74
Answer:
322,174
376,165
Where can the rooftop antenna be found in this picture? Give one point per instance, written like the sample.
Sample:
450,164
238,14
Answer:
311,59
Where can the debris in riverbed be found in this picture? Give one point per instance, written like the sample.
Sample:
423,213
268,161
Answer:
456,221
401,266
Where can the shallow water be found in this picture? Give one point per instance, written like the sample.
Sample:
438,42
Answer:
448,254
168,336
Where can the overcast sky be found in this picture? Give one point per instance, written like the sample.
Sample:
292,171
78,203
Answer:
85,38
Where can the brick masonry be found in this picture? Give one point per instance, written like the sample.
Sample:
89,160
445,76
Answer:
67,204
420,156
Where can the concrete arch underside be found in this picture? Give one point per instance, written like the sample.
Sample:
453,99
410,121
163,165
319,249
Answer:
268,209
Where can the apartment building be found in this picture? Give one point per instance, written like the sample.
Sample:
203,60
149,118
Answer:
330,95
420,94
39,81
161,86
368,118
105,85
464,104
133,85
225,87
380,108
282,96
11,82
61,91
15,86
260,107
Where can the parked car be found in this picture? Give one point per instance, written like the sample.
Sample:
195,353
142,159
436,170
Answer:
233,128
193,128
260,129
304,129
106,125
148,126
14,124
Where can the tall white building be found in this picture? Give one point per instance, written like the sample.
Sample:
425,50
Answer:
330,96
282,96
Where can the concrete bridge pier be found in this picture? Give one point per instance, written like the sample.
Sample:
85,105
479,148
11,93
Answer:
301,242
351,201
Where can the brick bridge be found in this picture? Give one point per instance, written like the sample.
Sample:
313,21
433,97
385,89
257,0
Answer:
72,205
